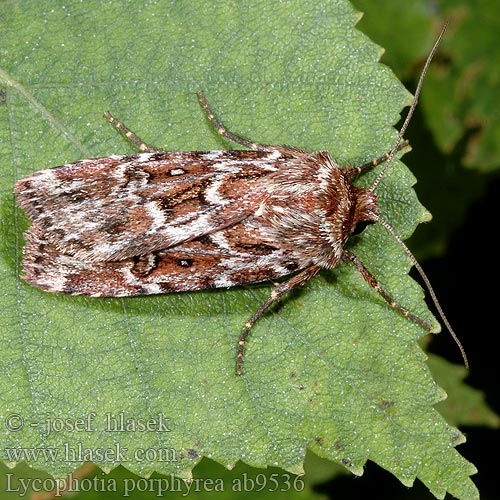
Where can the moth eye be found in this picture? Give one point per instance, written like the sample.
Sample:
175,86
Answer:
360,226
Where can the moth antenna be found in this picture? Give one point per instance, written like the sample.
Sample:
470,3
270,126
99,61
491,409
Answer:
390,157
414,103
428,285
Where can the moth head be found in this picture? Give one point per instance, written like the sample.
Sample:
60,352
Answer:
360,226
365,210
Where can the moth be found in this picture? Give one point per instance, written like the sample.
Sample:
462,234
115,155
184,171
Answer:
162,222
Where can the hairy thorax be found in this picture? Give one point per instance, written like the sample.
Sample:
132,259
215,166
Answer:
313,209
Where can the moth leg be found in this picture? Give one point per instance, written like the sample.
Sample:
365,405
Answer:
130,135
372,281
223,131
280,290
377,161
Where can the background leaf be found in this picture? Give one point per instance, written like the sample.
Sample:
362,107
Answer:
459,101
336,370
459,104
464,405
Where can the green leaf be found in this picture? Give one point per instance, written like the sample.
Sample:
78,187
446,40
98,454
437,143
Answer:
334,370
